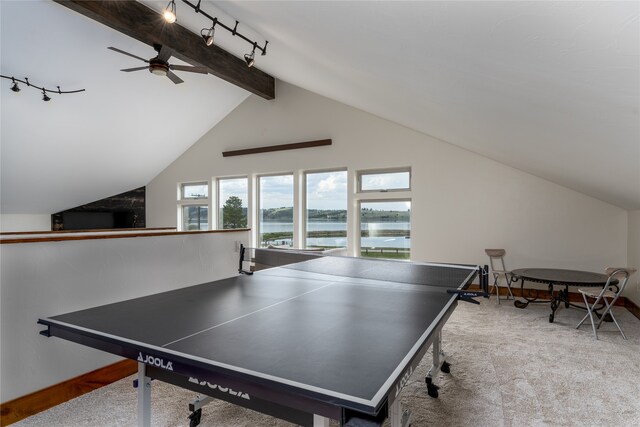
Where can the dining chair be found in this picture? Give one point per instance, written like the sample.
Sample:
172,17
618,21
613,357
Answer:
607,296
497,256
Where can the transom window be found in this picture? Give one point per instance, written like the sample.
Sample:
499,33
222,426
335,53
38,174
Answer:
384,180
198,190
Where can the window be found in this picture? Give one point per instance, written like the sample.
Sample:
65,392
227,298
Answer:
389,180
233,194
385,229
194,191
326,212
193,206
195,217
275,210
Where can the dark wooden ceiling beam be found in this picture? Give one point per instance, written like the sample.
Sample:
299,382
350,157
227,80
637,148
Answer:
141,23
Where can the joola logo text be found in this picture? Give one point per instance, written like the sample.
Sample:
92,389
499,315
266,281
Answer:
155,361
403,381
220,388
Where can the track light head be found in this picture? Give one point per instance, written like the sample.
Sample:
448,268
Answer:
250,58
45,98
170,12
15,86
207,35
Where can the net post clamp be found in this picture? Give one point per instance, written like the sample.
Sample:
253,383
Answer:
467,296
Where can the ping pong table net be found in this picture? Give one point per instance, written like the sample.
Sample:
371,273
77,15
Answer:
390,271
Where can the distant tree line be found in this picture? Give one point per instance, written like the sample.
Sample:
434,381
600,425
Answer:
285,214
235,216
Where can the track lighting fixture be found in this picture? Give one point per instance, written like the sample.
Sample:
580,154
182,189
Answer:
170,12
15,87
207,33
45,97
250,58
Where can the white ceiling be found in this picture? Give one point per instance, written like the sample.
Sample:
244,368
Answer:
551,88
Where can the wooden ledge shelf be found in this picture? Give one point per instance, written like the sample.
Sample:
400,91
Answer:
97,230
62,237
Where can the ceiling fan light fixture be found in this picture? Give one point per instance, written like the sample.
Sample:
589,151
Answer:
158,70
169,13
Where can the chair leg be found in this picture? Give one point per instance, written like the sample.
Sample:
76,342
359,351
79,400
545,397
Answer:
610,311
509,281
590,314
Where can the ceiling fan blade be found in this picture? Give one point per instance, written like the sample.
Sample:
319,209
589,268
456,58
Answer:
190,69
164,53
174,78
115,49
128,70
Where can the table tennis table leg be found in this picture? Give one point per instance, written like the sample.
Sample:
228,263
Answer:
398,417
144,396
439,363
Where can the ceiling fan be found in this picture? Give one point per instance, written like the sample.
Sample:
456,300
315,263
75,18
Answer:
160,66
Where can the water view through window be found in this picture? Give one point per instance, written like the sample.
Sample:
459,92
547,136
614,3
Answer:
275,226
385,226
326,212
195,217
385,229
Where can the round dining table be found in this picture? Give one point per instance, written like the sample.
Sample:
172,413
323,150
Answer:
552,277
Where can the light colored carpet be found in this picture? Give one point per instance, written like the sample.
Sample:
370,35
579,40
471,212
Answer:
510,367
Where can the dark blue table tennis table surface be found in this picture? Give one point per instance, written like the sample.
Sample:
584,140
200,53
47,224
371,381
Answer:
323,336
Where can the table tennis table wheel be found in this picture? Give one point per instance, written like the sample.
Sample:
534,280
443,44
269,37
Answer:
432,389
194,418
446,367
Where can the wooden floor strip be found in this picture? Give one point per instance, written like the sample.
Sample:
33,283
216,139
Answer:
41,400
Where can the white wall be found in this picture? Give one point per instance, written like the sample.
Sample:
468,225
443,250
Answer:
633,290
25,222
51,278
462,202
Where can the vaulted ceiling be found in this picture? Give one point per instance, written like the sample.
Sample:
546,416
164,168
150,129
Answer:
550,88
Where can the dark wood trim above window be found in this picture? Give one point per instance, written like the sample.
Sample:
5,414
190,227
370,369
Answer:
281,147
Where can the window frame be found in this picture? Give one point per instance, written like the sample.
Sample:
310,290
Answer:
304,199
193,201
218,216
361,173
192,205
193,184
258,191
358,231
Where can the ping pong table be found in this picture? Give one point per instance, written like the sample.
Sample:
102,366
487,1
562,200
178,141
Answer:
324,338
